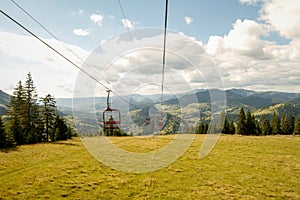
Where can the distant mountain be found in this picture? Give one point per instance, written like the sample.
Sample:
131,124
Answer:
191,106
286,107
236,98
258,102
249,99
3,109
4,98
4,102
262,103
278,96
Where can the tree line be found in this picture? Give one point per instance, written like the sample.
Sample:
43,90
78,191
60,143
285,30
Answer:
248,124
32,119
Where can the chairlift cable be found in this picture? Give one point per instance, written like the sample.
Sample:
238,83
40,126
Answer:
73,63
124,17
164,58
64,57
128,29
76,55
54,36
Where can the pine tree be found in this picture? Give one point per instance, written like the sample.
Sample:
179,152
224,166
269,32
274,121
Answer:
257,130
3,140
226,128
291,124
241,124
48,113
265,126
275,124
284,125
16,129
250,127
202,128
17,103
10,140
297,126
17,111
70,132
231,127
32,122
61,129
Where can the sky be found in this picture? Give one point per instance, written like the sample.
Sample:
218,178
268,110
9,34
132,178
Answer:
250,44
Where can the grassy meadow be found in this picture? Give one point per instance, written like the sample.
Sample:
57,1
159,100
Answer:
239,167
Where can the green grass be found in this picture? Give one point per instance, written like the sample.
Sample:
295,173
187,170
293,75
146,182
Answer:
237,168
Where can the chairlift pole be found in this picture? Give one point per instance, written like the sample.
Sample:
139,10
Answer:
107,102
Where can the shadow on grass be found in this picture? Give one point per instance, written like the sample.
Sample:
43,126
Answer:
10,149
64,143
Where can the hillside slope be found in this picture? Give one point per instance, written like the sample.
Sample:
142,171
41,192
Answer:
4,102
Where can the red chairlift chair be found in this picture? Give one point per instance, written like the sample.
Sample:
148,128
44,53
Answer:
111,117
147,121
160,124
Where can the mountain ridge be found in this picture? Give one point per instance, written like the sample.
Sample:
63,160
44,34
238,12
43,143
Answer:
256,101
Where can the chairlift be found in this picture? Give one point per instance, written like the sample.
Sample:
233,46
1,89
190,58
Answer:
160,124
111,117
147,121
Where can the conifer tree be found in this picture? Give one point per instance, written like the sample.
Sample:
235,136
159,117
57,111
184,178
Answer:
226,128
257,130
17,103
250,126
48,113
17,110
10,140
241,124
265,126
284,125
291,124
32,122
297,126
202,128
16,129
275,124
61,129
69,132
3,140
231,127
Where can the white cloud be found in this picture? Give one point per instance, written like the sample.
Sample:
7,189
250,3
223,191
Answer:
128,67
97,18
188,20
249,2
81,32
21,54
284,16
243,39
252,62
243,57
127,23
78,12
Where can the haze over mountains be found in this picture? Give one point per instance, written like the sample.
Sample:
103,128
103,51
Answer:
260,103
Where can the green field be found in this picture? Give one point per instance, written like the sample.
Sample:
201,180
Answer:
237,168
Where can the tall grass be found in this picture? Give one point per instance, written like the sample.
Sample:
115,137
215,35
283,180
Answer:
237,168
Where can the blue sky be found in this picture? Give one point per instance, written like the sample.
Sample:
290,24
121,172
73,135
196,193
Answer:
246,39
209,17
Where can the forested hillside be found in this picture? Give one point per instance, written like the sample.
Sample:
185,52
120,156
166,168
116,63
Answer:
260,109
31,119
